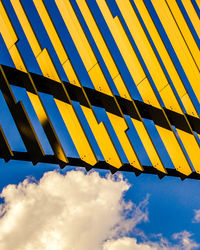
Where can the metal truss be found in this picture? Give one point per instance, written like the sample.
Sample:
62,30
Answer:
11,76
136,62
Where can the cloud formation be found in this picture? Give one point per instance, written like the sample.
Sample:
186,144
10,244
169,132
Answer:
196,218
186,242
77,212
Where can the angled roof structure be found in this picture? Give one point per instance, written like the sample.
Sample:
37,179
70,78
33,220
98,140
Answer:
121,77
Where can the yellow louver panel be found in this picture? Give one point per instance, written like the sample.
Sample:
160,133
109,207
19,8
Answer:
131,98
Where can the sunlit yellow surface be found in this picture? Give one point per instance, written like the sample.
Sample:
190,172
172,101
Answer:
44,119
98,79
189,105
103,139
55,39
179,44
6,28
192,14
120,128
168,136
169,99
98,37
147,93
26,26
142,43
68,114
182,41
76,132
149,146
185,31
53,35
180,88
77,33
72,77
103,48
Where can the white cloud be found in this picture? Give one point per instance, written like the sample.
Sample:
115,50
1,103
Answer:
186,242
75,212
126,243
196,218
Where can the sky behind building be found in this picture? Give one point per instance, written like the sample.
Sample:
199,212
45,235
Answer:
164,213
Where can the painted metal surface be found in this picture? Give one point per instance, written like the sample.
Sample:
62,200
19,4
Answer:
136,59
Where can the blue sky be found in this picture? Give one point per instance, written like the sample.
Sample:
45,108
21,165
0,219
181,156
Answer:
171,202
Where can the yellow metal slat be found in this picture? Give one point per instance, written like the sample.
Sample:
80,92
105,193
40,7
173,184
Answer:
49,71
77,33
149,146
50,132
103,139
169,99
123,44
96,33
179,45
121,87
68,113
142,43
23,19
198,3
17,59
189,105
180,88
10,38
46,65
56,42
6,28
191,147
185,31
53,35
138,75
192,15
98,79
77,133
71,74
147,93
120,128
145,88
175,151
